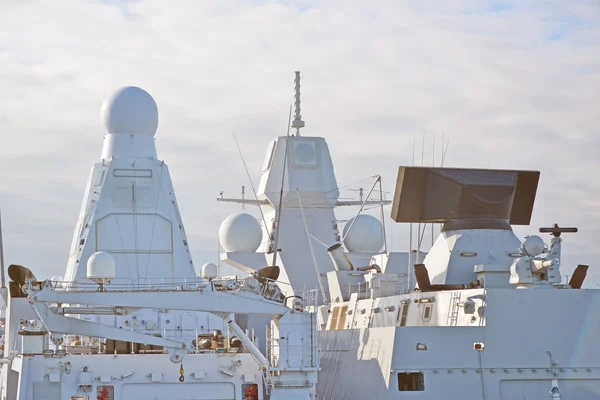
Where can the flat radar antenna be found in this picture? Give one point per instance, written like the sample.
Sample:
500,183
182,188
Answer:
297,122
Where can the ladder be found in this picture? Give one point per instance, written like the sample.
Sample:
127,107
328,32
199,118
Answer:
453,307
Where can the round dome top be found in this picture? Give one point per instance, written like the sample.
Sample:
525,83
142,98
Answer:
240,232
366,235
534,245
209,271
100,266
130,110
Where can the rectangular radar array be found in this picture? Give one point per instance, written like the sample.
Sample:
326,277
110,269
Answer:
438,195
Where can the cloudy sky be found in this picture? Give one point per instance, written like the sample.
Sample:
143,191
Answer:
509,84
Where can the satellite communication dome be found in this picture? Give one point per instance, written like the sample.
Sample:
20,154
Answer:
57,281
130,110
209,271
366,235
101,267
534,245
240,232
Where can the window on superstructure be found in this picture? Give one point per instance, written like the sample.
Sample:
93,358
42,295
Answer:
402,314
427,313
342,317
411,382
334,318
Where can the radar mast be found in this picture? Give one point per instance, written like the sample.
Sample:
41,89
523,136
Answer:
297,122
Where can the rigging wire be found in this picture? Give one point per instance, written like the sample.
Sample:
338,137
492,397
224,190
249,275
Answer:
162,165
312,252
253,190
278,213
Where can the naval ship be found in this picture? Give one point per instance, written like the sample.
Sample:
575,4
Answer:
484,315
132,318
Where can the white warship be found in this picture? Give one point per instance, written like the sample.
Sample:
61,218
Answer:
483,315
132,318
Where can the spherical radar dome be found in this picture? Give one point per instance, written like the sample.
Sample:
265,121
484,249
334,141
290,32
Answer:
366,235
130,110
240,232
209,271
101,267
534,245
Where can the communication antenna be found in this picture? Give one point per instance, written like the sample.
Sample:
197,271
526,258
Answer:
297,123
278,214
3,290
262,215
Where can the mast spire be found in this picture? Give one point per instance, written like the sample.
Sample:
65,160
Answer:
297,123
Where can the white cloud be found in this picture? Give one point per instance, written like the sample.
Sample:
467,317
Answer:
511,85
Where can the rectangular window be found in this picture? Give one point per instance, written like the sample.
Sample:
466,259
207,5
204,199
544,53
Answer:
402,314
132,173
334,318
342,317
411,382
427,313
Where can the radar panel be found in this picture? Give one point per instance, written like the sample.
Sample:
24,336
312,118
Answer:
439,195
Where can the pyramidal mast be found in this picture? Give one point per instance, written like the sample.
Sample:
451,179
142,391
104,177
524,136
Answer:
129,207
298,192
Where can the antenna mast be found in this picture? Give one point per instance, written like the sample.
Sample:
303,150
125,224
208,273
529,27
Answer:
3,290
278,214
297,123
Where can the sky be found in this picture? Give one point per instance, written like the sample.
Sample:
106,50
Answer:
509,84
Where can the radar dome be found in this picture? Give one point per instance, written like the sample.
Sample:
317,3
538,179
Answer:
534,245
366,235
101,267
130,110
240,232
209,271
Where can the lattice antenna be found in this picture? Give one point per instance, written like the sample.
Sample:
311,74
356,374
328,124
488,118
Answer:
297,122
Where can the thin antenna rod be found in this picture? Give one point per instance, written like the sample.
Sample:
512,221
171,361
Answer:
298,123
419,225
444,153
385,248
278,215
410,231
422,149
2,277
308,235
252,186
433,165
361,208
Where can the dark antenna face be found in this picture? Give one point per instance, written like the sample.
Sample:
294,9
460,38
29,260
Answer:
19,273
439,195
556,231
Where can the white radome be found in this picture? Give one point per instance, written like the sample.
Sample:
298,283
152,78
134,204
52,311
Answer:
366,235
101,267
240,232
534,245
209,271
130,110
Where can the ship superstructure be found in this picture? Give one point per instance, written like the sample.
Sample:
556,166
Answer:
489,318
132,318
483,315
298,194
